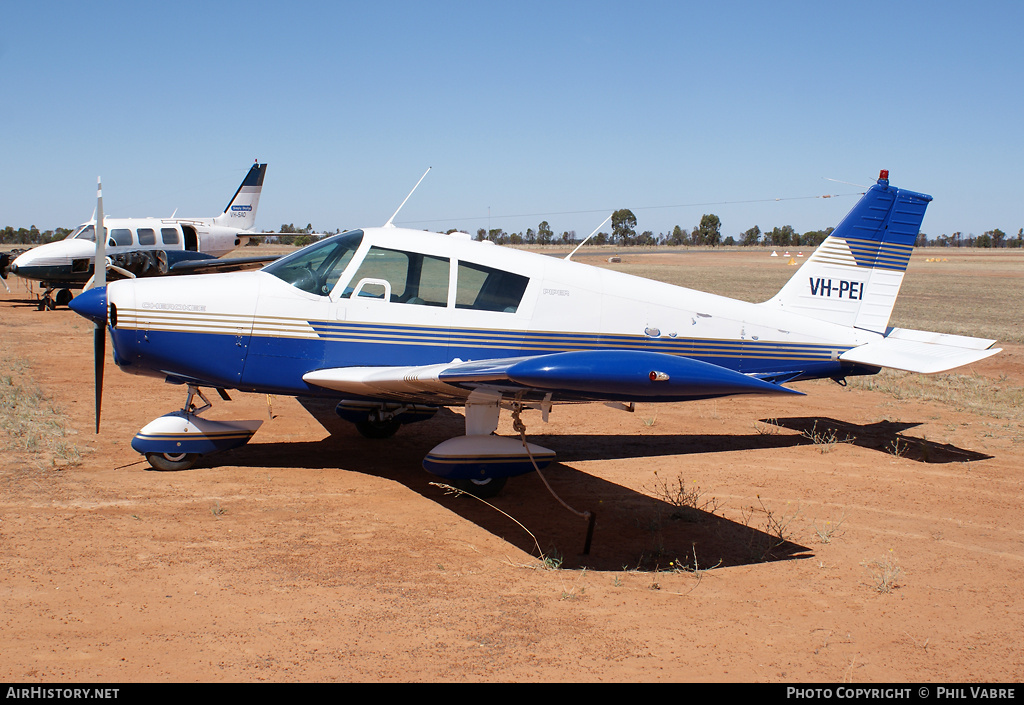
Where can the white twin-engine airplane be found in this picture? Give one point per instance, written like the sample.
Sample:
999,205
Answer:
396,323
139,247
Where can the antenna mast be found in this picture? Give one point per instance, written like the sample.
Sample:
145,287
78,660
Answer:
390,224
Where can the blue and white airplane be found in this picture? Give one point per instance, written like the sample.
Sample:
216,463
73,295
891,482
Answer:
396,323
146,246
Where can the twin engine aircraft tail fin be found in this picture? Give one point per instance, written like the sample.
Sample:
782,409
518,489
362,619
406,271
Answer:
854,276
241,211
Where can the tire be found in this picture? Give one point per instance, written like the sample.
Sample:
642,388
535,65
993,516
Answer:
484,489
378,429
169,462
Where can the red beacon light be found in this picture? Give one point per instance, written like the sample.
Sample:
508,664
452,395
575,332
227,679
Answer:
884,174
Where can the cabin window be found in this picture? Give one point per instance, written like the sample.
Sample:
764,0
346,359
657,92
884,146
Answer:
147,236
411,277
486,289
122,237
318,267
169,236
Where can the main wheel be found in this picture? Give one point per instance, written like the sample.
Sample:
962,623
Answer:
172,461
484,489
378,429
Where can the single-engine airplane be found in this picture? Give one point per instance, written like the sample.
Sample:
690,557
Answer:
140,247
396,323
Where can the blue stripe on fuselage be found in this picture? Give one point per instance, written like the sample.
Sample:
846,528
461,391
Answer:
275,364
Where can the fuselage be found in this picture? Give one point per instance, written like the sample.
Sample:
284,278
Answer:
70,262
392,297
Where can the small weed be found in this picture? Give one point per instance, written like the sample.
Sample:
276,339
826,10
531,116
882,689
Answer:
825,441
655,585
898,447
689,500
650,421
552,560
828,530
776,531
218,510
695,569
769,427
576,591
885,572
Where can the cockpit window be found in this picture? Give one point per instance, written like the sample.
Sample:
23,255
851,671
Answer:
318,267
83,232
486,289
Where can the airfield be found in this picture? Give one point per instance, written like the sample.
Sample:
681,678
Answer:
866,533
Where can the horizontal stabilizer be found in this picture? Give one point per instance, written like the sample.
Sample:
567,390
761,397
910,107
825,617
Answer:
921,351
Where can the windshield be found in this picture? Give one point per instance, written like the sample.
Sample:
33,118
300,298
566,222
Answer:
83,232
317,268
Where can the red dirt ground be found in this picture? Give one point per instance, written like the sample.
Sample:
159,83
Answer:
308,556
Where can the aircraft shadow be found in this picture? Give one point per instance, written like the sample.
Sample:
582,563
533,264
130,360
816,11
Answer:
27,303
885,436
632,530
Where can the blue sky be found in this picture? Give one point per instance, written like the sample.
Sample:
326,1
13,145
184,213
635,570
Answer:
527,111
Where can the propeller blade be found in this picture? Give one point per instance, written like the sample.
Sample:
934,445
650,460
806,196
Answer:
100,271
99,336
99,351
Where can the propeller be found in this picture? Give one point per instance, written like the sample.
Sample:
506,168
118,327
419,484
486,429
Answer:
92,303
5,262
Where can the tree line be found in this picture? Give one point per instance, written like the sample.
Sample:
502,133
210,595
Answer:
708,233
31,235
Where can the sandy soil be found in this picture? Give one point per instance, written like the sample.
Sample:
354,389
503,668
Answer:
316,555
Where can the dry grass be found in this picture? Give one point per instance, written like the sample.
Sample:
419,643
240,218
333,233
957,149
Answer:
964,392
30,423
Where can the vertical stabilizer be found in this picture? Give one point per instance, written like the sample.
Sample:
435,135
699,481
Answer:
241,211
854,276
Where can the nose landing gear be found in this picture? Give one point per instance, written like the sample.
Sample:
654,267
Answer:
177,440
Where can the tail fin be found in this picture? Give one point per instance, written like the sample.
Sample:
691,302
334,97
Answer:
241,211
854,276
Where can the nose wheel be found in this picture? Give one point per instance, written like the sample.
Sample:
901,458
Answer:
172,461
484,489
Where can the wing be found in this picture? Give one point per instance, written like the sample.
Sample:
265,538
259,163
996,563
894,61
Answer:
584,375
921,351
229,264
